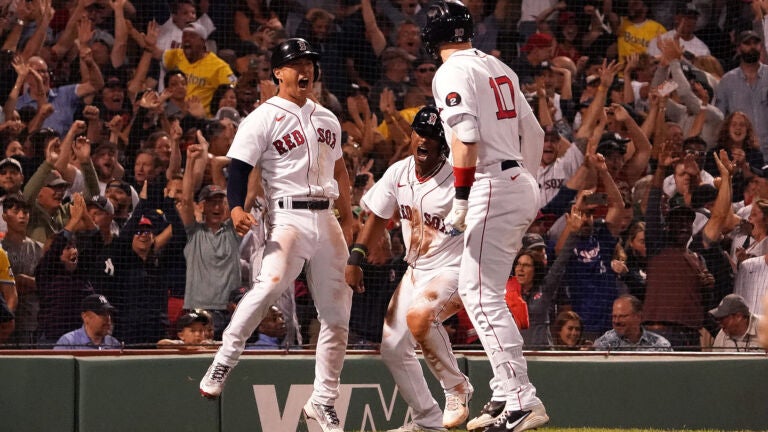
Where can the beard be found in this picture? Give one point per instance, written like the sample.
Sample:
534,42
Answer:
751,56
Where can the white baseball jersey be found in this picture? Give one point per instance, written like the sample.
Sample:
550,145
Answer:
501,206
752,283
553,176
472,82
431,281
422,207
291,145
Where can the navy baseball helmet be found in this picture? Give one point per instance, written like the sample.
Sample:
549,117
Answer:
427,124
290,50
447,21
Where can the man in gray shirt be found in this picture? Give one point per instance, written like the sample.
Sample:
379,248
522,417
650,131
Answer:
745,88
213,269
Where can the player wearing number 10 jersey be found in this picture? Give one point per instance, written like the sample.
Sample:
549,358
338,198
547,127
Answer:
495,139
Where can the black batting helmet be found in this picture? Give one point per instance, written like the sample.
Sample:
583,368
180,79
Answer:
447,21
290,50
427,124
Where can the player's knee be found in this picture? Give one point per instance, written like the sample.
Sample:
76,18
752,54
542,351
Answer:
335,322
388,349
420,321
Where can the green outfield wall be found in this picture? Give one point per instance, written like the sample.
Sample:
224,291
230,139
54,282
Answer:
266,392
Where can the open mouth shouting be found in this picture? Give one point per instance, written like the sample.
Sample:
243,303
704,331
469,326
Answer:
422,153
303,83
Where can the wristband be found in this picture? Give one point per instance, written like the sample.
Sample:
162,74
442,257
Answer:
462,192
357,254
463,176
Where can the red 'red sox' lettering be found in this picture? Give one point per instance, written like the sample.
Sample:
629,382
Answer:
289,142
326,136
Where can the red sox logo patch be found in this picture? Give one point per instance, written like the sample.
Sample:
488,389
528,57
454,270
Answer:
452,99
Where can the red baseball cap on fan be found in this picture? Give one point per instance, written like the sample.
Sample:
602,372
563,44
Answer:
538,40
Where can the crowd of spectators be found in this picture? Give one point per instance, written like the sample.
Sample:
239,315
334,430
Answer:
654,183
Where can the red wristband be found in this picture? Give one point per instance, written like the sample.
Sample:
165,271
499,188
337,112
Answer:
463,176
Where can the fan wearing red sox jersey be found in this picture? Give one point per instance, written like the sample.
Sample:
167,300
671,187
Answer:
494,136
420,190
297,145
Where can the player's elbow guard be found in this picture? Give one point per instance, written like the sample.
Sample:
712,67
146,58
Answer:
465,128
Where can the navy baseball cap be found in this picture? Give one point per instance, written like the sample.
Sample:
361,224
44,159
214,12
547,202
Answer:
190,318
97,303
687,9
612,142
120,184
101,203
610,146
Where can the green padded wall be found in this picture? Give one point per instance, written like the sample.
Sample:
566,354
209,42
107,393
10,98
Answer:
148,393
252,401
267,392
38,394
675,393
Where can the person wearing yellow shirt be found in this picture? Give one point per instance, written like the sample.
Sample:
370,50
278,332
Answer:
205,70
635,31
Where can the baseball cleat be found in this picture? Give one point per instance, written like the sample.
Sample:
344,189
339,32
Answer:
325,415
413,427
212,383
518,421
456,409
537,418
488,415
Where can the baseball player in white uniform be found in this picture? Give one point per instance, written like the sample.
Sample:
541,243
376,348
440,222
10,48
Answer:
297,145
420,190
494,135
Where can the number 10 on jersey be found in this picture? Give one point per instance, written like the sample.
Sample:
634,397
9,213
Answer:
504,91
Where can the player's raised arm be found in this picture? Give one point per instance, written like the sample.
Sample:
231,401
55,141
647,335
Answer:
187,205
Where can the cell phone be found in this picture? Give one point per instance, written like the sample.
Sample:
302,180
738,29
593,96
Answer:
667,87
596,199
361,180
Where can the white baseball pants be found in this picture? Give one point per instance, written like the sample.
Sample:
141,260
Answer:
296,236
501,207
415,315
